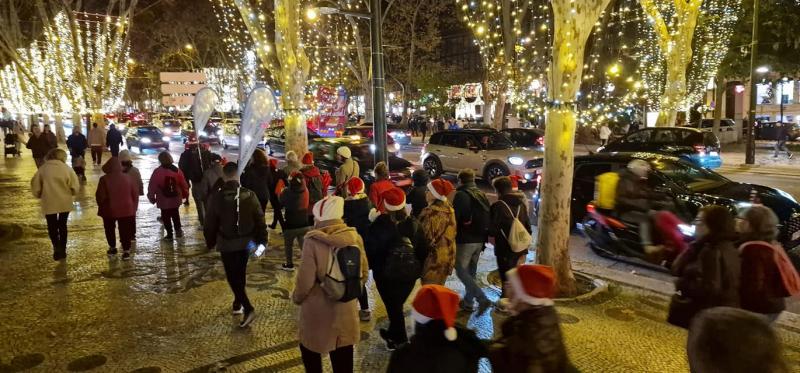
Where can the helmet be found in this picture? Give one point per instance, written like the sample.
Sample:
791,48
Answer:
639,167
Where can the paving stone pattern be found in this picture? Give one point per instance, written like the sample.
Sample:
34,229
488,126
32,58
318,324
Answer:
168,309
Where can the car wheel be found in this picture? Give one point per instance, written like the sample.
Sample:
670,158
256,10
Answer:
433,166
224,145
493,171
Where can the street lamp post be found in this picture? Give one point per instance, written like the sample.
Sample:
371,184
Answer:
750,149
378,100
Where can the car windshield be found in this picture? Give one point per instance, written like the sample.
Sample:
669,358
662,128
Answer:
149,131
494,141
682,173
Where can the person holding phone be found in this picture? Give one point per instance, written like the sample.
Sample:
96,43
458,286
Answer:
235,225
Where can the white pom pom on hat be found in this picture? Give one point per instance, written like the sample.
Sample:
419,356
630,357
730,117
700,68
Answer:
436,302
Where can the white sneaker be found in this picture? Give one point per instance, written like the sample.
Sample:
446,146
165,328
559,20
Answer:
238,311
248,318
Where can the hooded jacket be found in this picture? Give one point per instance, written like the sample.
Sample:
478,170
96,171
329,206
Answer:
428,351
136,176
438,224
416,195
55,184
230,227
117,195
472,214
157,185
294,200
515,352
325,324
501,220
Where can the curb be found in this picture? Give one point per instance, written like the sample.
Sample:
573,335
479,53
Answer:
762,170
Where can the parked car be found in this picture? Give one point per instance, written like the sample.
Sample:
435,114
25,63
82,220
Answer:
769,130
276,139
488,152
362,150
146,137
690,186
691,144
706,125
526,137
367,131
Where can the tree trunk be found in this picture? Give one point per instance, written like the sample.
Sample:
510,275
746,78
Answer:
406,114
573,20
718,92
498,121
487,102
674,89
296,138
59,124
76,122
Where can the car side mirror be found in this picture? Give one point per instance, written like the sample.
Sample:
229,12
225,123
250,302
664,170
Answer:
474,148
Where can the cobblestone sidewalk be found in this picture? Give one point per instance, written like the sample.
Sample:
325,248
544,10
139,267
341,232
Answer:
167,310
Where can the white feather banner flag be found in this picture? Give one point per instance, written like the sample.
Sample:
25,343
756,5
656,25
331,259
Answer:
205,100
261,106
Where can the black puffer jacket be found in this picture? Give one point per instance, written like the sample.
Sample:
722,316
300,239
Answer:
515,350
258,178
429,351
356,214
294,200
384,234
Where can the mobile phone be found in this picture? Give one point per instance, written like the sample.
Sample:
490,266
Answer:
260,250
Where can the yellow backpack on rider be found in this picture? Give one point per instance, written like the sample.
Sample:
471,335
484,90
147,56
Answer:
605,190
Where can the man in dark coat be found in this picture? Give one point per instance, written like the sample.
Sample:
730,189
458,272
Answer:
635,199
472,223
511,204
416,195
113,139
234,221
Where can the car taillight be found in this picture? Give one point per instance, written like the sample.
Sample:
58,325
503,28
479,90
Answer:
700,149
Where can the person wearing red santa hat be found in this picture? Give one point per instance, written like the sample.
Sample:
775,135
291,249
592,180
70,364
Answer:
356,215
392,235
314,180
533,318
326,326
438,345
438,225
510,205
382,183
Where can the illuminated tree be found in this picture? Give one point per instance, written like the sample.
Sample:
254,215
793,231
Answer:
287,64
573,21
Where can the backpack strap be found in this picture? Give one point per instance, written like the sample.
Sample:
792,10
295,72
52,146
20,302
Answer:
515,216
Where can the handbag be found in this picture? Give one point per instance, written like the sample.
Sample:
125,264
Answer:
681,310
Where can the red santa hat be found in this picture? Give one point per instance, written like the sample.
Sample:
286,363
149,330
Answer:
308,158
273,163
355,186
515,180
440,188
533,284
436,302
394,199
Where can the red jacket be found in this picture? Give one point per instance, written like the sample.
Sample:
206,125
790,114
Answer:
762,289
375,190
157,185
117,195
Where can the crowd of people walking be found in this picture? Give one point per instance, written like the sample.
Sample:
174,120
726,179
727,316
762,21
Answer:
344,229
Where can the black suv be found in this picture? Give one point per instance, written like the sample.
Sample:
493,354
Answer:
690,144
276,139
690,186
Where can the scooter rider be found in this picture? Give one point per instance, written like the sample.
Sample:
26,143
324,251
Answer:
635,200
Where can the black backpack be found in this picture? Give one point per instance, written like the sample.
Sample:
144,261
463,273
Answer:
402,263
314,186
171,187
342,281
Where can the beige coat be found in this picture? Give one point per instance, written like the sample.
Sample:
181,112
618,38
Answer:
347,170
438,222
326,325
97,136
55,184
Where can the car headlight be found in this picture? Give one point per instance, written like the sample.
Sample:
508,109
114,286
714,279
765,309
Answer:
396,146
516,161
786,195
167,131
165,138
372,148
743,205
146,140
204,133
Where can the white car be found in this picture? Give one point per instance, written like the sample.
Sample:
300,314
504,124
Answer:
490,153
230,134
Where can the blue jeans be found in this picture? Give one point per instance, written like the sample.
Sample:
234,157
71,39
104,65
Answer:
467,255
